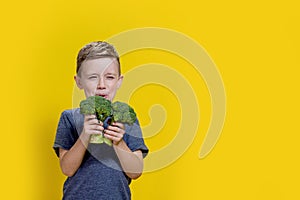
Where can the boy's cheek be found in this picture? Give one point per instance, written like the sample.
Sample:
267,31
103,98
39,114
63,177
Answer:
88,94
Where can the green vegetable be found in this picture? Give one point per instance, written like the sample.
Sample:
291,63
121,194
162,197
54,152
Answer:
108,113
97,105
122,112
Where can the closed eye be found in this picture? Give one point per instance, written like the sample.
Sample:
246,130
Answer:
110,77
92,77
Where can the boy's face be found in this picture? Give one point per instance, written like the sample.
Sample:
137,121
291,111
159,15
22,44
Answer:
99,77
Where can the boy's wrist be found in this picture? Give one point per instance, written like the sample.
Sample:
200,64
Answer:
119,144
85,139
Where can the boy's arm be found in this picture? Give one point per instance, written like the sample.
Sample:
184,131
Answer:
70,160
131,162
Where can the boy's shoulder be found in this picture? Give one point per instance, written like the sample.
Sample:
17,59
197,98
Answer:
73,115
71,118
71,112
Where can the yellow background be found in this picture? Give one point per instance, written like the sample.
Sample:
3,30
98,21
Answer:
255,45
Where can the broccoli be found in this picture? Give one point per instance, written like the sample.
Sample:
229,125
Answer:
97,105
108,113
122,112
87,107
101,107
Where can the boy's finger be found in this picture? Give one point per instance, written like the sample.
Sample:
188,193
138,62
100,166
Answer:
118,124
89,117
96,127
115,129
92,122
109,134
95,132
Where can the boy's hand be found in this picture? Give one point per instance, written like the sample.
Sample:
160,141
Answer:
115,132
91,126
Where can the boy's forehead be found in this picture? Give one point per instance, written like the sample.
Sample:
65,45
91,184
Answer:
99,65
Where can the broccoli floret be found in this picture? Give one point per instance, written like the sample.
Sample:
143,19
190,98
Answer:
96,105
107,112
103,108
122,112
87,107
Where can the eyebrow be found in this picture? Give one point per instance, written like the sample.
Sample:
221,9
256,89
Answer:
111,74
96,74
89,74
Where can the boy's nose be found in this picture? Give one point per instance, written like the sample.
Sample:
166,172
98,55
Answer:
101,84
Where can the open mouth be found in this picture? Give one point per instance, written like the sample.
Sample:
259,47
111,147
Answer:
102,95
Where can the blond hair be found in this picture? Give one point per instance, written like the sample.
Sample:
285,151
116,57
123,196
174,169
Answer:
94,50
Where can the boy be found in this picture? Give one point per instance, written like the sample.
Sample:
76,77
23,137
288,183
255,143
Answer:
98,171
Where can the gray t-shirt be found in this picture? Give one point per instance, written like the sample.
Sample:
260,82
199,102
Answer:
100,174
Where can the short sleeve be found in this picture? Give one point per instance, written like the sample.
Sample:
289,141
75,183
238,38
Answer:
134,138
66,134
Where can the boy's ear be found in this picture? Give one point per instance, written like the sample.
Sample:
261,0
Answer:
78,81
119,83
